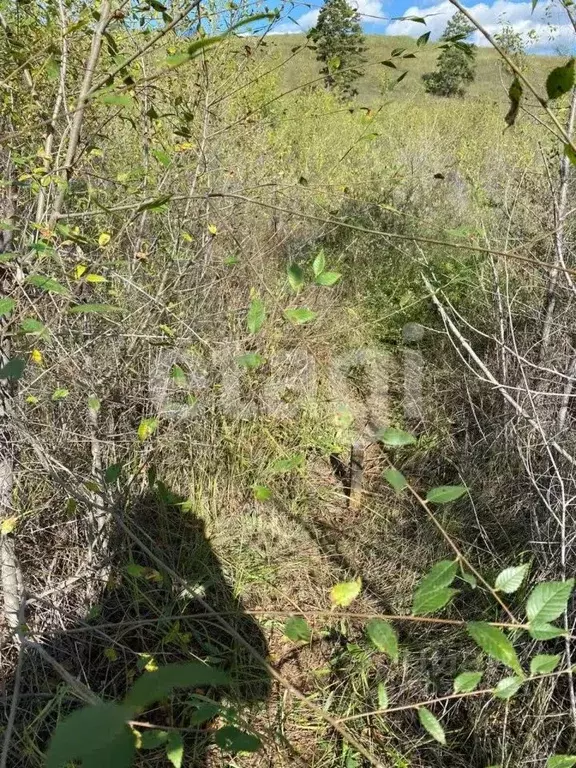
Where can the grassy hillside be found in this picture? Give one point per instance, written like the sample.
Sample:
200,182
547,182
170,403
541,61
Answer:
491,79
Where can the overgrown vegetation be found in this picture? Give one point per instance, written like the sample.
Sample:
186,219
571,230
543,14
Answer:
287,445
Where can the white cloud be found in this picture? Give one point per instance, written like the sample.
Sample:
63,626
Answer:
553,32
366,8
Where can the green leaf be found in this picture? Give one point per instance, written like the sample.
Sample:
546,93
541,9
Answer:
328,278
431,724
157,685
95,309
383,699
13,369
94,404
46,284
116,99
60,394
296,628
548,600
507,687
560,80
345,592
154,205
384,637
261,492
394,437
570,153
178,376
256,315
423,39
162,157
152,739
544,664
232,739
287,465
31,325
175,749
118,753
432,593
295,277
193,50
112,473
441,574
495,643
205,712
469,578
445,493
87,730
250,360
319,263
299,316
510,579
432,600
180,58
467,681
6,306
515,95
545,631
561,761
395,478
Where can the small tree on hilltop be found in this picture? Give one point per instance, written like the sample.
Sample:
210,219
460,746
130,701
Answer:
456,65
339,46
512,43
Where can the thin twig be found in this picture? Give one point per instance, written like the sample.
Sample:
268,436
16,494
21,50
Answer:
449,697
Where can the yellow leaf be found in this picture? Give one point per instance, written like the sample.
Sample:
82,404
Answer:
147,662
8,525
345,592
104,239
212,229
36,357
153,575
137,738
32,399
79,270
184,146
91,278
147,428
188,238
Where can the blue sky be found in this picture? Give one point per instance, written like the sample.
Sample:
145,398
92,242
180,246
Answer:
548,23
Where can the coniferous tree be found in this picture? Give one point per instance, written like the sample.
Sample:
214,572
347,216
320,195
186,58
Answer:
456,66
340,44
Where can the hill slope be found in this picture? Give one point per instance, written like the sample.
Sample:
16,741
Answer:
491,77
